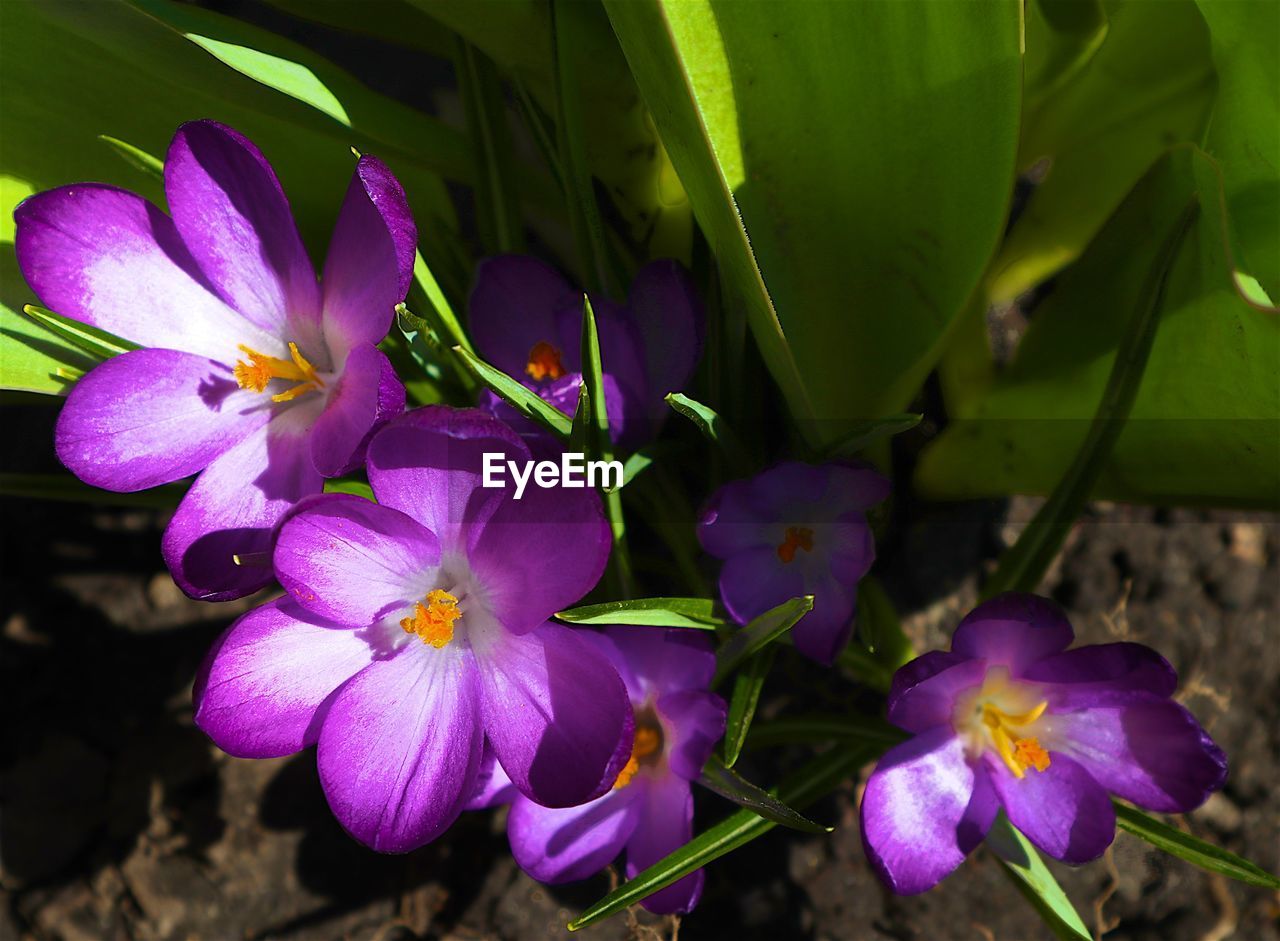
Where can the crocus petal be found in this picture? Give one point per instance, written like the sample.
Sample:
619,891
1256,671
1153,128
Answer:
1152,753
110,259
849,548
262,689
353,561
148,417
856,487
822,633
233,508
514,305
653,662
367,395
1086,675
668,319
931,702
493,787
666,825
236,221
370,261
1062,809
555,711
1013,629
730,523
924,809
562,844
694,721
429,463
540,554
752,582
400,746
915,672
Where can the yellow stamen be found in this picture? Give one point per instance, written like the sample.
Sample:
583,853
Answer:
544,362
648,740
797,537
1017,752
433,621
257,373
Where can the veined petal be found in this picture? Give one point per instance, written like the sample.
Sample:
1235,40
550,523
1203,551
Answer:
1013,629
514,305
693,720
262,690
400,746
912,674
931,702
555,711
236,222
1086,676
353,561
1151,752
653,662
730,523
234,506
754,581
493,787
562,844
368,395
1062,809
924,810
149,417
370,261
666,824
108,258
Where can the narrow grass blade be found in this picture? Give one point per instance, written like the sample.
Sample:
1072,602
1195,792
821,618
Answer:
868,730
1185,846
713,427
867,432
762,630
136,157
97,343
698,613
1028,872
514,394
497,205
730,785
747,686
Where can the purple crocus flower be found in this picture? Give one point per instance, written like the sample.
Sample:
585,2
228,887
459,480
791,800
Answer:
527,320
252,372
1011,719
415,628
795,529
649,811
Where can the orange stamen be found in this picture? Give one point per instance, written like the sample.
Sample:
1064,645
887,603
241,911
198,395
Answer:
1028,753
257,373
433,621
797,537
544,362
648,740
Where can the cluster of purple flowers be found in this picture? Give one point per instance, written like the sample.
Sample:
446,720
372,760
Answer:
413,644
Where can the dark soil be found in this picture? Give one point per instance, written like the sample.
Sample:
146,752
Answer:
120,821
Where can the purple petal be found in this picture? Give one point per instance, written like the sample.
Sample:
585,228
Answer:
148,417
555,711
1153,754
668,319
924,809
234,507
731,523
352,561
752,582
1013,629
493,787
262,688
540,554
822,633
1086,675
370,261
666,824
514,305
856,487
110,259
930,702
563,844
1062,809
235,219
400,746
693,721
654,662
429,464
917,671
368,394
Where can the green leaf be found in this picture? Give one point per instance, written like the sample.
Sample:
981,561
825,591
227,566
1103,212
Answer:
868,730
64,488
517,396
639,461
816,779
350,485
97,343
864,433
758,632
1193,850
31,358
497,205
1101,125
714,428
879,627
748,683
698,613
1202,429
732,786
582,434
136,157
1024,866
897,203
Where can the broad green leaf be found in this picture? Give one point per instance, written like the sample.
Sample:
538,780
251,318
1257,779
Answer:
524,401
393,21
1193,850
748,683
1203,429
99,344
713,427
864,433
732,786
1036,883
1100,126
816,779
64,488
870,211
758,632
698,613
